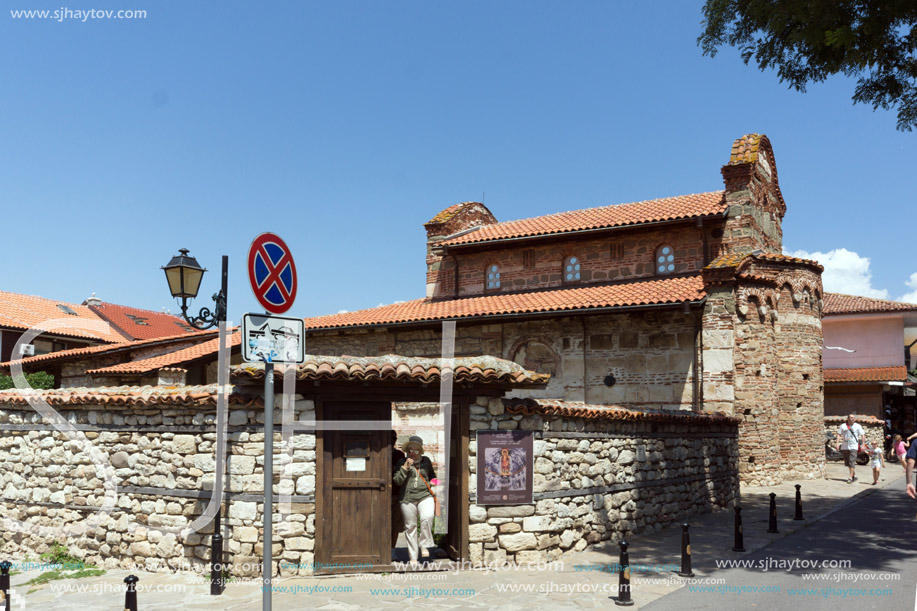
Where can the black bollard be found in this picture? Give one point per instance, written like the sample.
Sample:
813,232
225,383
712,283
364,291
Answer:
5,584
739,545
130,597
685,553
216,557
772,521
623,598
798,503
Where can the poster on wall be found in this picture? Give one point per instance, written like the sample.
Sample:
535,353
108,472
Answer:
505,467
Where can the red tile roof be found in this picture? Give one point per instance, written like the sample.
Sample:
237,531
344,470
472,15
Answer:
142,324
866,374
656,210
654,291
836,303
76,353
392,367
129,396
165,361
573,409
29,311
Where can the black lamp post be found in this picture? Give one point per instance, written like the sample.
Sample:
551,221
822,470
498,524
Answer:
184,275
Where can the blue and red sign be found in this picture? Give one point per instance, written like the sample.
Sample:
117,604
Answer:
272,273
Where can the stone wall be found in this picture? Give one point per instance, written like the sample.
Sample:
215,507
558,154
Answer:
163,462
650,354
602,480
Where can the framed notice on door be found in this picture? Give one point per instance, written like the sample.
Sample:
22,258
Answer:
505,466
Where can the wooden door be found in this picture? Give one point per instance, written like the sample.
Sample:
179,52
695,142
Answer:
356,489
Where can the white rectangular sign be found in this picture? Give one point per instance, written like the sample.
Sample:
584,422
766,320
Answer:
273,339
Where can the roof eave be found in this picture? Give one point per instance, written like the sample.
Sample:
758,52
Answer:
516,315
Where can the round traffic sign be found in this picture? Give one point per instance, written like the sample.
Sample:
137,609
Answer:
272,273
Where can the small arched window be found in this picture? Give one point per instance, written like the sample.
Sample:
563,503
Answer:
665,259
572,269
493,277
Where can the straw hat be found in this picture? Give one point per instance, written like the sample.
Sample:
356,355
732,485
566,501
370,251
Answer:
413,442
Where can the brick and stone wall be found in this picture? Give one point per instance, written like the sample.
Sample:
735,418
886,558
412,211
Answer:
594,480
602,480
650,354
762,346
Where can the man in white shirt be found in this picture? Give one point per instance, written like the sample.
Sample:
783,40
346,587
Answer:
850,435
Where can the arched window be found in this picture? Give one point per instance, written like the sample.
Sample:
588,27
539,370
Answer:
493,277
665,259
571,269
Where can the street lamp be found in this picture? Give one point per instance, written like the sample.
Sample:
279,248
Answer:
184,274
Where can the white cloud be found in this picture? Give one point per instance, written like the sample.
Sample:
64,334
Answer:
847,272
343,311
912,296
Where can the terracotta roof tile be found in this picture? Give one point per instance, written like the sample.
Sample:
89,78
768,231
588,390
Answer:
654,291
736,259
573,409
142,324
167,361
128,396
392,367
836,303
866,374
448,213
745,149
665,209
19,311
76,353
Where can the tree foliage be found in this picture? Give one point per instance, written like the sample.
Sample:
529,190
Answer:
809,40
38,380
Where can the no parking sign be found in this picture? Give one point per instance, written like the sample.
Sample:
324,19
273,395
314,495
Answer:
272,273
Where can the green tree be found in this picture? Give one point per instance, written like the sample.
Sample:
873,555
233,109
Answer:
810,40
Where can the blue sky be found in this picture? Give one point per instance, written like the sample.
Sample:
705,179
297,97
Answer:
344,126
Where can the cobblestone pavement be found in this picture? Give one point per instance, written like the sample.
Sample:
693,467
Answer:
566,586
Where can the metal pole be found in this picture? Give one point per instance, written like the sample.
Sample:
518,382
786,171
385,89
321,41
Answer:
130,596
739,545
624,598
216,541
5,584
268,484
798,503
772,522
685,553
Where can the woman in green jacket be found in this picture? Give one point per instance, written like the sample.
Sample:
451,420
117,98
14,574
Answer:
414,475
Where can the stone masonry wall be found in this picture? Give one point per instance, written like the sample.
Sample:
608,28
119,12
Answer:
163,461
602,480
650,354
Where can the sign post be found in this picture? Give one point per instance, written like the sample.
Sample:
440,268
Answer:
271,339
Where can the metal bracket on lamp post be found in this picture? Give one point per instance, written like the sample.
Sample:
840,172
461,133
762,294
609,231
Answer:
205,316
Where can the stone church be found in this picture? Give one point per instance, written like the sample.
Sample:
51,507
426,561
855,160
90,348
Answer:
684,303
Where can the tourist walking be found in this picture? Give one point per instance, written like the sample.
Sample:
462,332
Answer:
877,463
850,434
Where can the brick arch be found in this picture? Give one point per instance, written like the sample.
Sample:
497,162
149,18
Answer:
538,354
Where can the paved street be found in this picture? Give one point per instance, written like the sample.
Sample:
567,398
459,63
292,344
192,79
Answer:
867,525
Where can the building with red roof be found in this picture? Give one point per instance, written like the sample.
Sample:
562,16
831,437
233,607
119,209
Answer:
867,358
682,303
